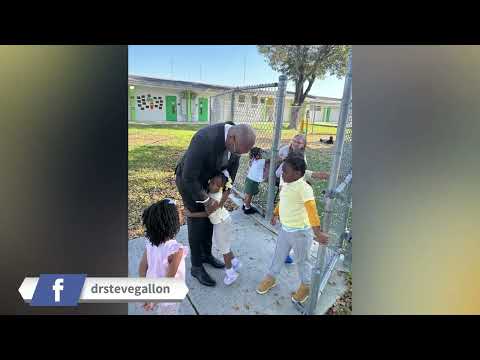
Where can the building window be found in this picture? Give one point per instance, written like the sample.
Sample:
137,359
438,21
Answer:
254,100
241,99
262,100
318,108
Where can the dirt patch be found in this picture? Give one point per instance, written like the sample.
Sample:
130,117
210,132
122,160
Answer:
343,305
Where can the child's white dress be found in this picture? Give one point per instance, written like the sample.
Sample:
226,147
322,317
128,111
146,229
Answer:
157,259
222,226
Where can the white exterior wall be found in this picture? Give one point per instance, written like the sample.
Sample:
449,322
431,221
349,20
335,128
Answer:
334,115
157,114
247,109
243,110
315,114
318,115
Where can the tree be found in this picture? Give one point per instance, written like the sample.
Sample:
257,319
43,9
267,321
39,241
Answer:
304,64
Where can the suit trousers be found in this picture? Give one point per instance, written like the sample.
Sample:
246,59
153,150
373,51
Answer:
200,230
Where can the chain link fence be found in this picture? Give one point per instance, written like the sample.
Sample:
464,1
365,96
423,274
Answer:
338,200
256,106
340,227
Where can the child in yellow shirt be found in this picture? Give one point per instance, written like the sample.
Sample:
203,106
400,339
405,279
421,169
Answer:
298,216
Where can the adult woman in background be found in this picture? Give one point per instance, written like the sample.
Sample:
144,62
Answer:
298,144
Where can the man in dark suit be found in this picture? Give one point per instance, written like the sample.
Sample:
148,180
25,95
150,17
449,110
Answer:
213,148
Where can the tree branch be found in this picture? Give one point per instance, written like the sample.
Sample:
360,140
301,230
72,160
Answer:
304,95
322,54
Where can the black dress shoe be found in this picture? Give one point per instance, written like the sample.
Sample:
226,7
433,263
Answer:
214,262
202,276
250,211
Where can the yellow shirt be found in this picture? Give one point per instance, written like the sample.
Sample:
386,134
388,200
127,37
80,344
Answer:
292,211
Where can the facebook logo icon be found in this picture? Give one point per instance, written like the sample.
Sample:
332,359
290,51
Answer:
58,290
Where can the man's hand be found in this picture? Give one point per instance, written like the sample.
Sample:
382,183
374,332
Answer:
211,206
187,212
274,220
320,236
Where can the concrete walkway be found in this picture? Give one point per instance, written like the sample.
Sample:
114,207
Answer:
254,245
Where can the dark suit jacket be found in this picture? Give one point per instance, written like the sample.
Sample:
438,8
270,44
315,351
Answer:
204,157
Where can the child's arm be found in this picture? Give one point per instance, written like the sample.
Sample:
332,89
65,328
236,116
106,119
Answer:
142,268
276,214
226,191
314,219
320,175
174,262
316,175
225,195
266,170
199,214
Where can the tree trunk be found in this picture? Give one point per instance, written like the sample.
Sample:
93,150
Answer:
294,115
295,110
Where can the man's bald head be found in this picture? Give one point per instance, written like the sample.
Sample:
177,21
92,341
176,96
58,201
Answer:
241,138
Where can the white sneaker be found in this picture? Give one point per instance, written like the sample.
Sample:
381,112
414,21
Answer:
236,264
230,278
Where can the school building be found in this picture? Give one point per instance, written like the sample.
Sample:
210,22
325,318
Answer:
164,100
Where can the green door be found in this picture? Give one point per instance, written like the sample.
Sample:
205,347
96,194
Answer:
202,109
327,116
171,104
131,103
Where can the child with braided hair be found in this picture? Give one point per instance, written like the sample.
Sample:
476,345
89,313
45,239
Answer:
163,255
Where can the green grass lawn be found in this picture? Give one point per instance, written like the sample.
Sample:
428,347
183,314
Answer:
153,151
319,159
